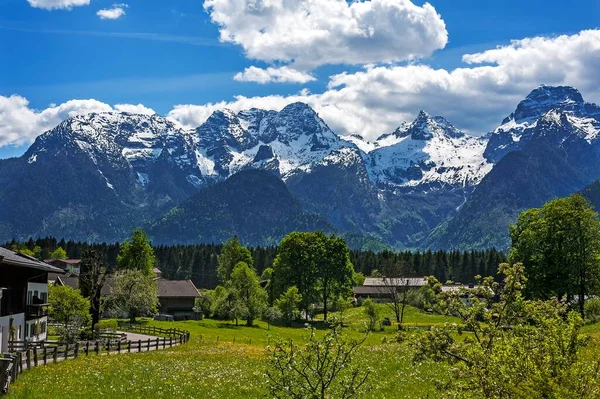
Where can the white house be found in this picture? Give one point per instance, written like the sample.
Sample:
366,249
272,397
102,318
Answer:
23,303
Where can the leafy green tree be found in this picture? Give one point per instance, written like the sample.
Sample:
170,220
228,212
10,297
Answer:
69,309
137,254
271,315
92,277
321,368
342,304
334,270
232,254
514,348
58,253
317,264
559,245
36,252
134,294
251,296
373,312
288,304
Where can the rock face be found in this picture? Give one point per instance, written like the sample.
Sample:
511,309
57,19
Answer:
426,184
430,152
547,148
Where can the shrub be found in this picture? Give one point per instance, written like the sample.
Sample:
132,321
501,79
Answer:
592,310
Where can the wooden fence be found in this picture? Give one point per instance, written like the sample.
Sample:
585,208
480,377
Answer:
26,355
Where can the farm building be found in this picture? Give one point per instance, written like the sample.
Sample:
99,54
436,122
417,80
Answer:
383,288
177,298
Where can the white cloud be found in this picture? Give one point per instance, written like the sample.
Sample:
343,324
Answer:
134,109
377,99
58,4
115,12
310,33
475,98
20,124
273,75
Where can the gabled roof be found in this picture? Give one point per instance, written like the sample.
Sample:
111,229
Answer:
395,281
21,260
177,289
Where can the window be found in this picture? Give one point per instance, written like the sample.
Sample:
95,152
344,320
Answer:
44,297
29,297
43,327
26,331
36,294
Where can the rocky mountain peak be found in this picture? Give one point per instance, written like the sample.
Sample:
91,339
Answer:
543,99
425,127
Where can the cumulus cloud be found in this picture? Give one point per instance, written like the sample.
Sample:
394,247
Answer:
377,99
134,109
475,98
57,4
275,75
21,124
115,12
307,33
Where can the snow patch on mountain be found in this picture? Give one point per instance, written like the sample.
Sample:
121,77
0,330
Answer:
429,150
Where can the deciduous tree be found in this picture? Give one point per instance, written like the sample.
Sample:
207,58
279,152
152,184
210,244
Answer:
559,245
507,346
137,254
231,254
69,309
321,368
134,294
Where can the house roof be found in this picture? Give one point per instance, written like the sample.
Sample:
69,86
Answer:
177,289
395,281
18,259
371,290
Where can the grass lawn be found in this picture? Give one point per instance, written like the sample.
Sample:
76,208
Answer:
207,368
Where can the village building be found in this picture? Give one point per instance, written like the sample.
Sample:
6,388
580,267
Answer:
381,289
68,265
178,298
23,298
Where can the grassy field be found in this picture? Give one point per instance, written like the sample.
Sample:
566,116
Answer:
211,365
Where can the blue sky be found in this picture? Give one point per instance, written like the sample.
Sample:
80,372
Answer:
161,54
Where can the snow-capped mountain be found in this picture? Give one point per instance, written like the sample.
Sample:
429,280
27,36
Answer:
286,142
519,127
116,141
428,151
548,148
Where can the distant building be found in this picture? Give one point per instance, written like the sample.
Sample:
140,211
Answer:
69,265
23,298
177,298
383,288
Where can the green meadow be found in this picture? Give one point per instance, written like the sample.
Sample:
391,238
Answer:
223,360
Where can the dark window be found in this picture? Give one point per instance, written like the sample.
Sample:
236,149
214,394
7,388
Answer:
29,297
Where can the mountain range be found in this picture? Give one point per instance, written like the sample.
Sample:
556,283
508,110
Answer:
259,174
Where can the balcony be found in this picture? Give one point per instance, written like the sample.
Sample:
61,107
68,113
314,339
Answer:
36,311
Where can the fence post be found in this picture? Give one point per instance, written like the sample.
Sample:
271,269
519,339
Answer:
119,346
35,356
66,351
148,346
55,354
45,355
129,346
97,348
87,348
108,346
139,345
76,354
170,341
157,339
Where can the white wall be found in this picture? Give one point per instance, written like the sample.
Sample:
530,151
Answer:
18,324
39,287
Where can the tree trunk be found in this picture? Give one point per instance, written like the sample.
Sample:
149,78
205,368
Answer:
325,307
